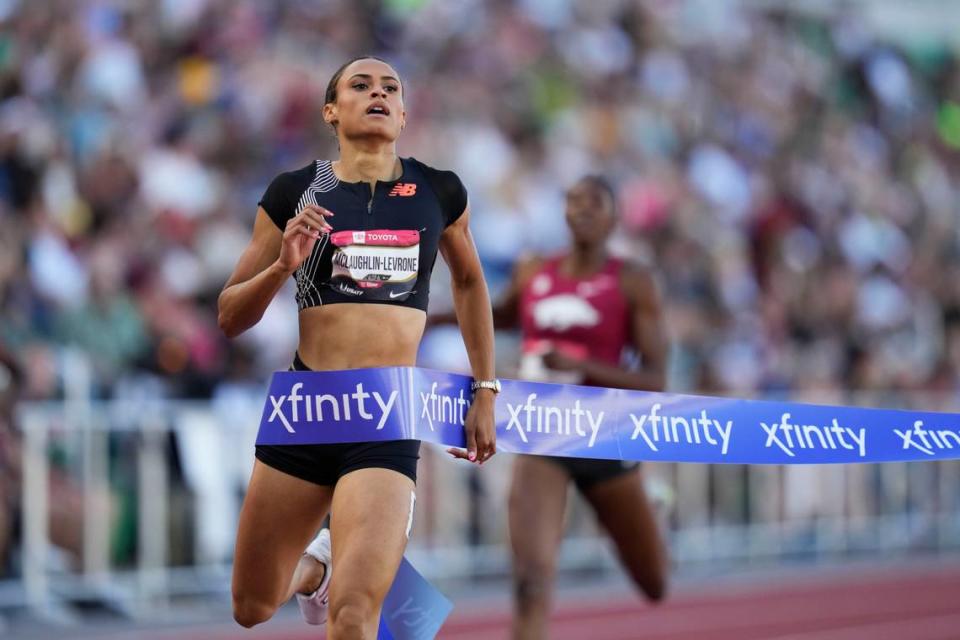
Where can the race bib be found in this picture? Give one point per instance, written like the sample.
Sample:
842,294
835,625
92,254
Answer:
380,264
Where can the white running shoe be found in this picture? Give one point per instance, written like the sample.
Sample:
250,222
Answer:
314,606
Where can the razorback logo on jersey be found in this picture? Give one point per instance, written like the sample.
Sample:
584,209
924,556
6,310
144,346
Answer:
404,189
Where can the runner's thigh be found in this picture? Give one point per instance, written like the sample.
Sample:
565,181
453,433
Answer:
624,510
369,527
280,515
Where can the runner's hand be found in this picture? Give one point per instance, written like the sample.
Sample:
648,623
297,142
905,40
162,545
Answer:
559,361
479,429
301,234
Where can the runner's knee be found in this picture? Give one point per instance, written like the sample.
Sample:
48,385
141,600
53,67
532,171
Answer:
249,611
532,587
656,588
351,613
653,583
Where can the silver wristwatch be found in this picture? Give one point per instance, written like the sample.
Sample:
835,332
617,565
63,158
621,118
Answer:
493,385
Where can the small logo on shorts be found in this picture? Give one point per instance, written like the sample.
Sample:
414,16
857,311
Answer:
404,189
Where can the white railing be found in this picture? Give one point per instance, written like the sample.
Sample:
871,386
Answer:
713,513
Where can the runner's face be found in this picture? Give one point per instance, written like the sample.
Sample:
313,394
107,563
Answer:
369,102
589,213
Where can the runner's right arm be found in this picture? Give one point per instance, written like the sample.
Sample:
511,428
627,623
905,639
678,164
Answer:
265,265
506,313
506,310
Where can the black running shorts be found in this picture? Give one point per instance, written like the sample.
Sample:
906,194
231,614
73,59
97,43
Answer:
588,472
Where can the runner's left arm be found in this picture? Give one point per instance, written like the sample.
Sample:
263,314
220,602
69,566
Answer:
471,301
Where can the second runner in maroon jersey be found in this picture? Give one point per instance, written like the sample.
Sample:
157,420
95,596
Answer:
579,315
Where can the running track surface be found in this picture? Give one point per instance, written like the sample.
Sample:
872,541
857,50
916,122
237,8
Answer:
903,605
884,604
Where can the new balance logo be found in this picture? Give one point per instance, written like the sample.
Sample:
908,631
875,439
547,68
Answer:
403,189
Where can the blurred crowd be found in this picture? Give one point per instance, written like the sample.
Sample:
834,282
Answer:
793,179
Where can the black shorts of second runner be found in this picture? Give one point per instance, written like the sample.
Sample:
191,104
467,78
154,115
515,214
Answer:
589,472
324,464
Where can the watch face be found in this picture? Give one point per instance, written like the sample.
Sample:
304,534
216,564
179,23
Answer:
493,385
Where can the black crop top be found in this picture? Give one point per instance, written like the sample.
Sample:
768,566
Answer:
383,245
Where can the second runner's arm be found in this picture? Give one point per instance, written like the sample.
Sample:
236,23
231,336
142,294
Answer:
505,310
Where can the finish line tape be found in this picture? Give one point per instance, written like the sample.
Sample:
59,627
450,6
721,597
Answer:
394,403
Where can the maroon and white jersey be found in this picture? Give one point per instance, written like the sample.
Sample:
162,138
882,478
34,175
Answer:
579,317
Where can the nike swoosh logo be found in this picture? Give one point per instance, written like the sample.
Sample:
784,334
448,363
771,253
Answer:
402,293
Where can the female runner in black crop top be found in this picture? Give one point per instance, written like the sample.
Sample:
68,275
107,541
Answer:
360,236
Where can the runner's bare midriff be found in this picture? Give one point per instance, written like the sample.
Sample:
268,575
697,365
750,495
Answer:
350,336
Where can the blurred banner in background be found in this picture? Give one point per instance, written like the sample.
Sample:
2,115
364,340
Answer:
790,170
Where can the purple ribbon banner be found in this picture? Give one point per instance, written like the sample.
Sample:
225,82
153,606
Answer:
395,403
